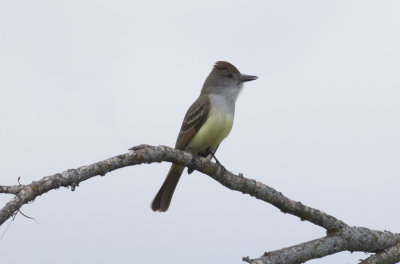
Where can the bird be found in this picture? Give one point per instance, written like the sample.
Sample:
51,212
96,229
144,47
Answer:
207,122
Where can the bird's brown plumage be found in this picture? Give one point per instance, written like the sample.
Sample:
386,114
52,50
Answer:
195,117
220,89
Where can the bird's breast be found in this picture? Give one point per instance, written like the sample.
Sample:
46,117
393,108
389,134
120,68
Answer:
217,127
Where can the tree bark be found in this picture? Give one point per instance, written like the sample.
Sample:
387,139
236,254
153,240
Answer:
340,236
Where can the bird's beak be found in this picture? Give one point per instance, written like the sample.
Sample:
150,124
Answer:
247,78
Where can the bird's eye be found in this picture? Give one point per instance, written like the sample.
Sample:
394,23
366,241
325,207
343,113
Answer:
230,75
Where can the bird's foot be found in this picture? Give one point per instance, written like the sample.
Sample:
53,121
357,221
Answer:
217,161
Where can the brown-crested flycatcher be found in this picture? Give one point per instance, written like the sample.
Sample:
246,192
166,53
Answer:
207,122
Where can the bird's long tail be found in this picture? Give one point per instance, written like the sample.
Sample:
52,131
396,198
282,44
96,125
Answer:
163,198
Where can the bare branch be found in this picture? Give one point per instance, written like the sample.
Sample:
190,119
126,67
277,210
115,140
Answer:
349,238
388,256
13,189
149,154
340,236
302,252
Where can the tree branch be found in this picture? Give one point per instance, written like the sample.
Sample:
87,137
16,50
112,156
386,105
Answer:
12,189
349,238
388,256
340,236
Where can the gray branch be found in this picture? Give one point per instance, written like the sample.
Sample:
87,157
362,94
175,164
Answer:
388,256
340,236
12,189
349,238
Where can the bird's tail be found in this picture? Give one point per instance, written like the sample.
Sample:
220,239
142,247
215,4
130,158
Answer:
163,198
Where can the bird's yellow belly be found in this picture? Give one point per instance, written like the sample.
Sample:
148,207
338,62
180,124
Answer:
213,131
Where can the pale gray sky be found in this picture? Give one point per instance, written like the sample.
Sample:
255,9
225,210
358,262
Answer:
82,81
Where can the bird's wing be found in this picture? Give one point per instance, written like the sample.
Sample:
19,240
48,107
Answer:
195,117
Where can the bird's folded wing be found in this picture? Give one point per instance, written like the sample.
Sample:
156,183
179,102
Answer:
195,117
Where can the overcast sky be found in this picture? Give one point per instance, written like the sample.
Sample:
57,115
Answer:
82,81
